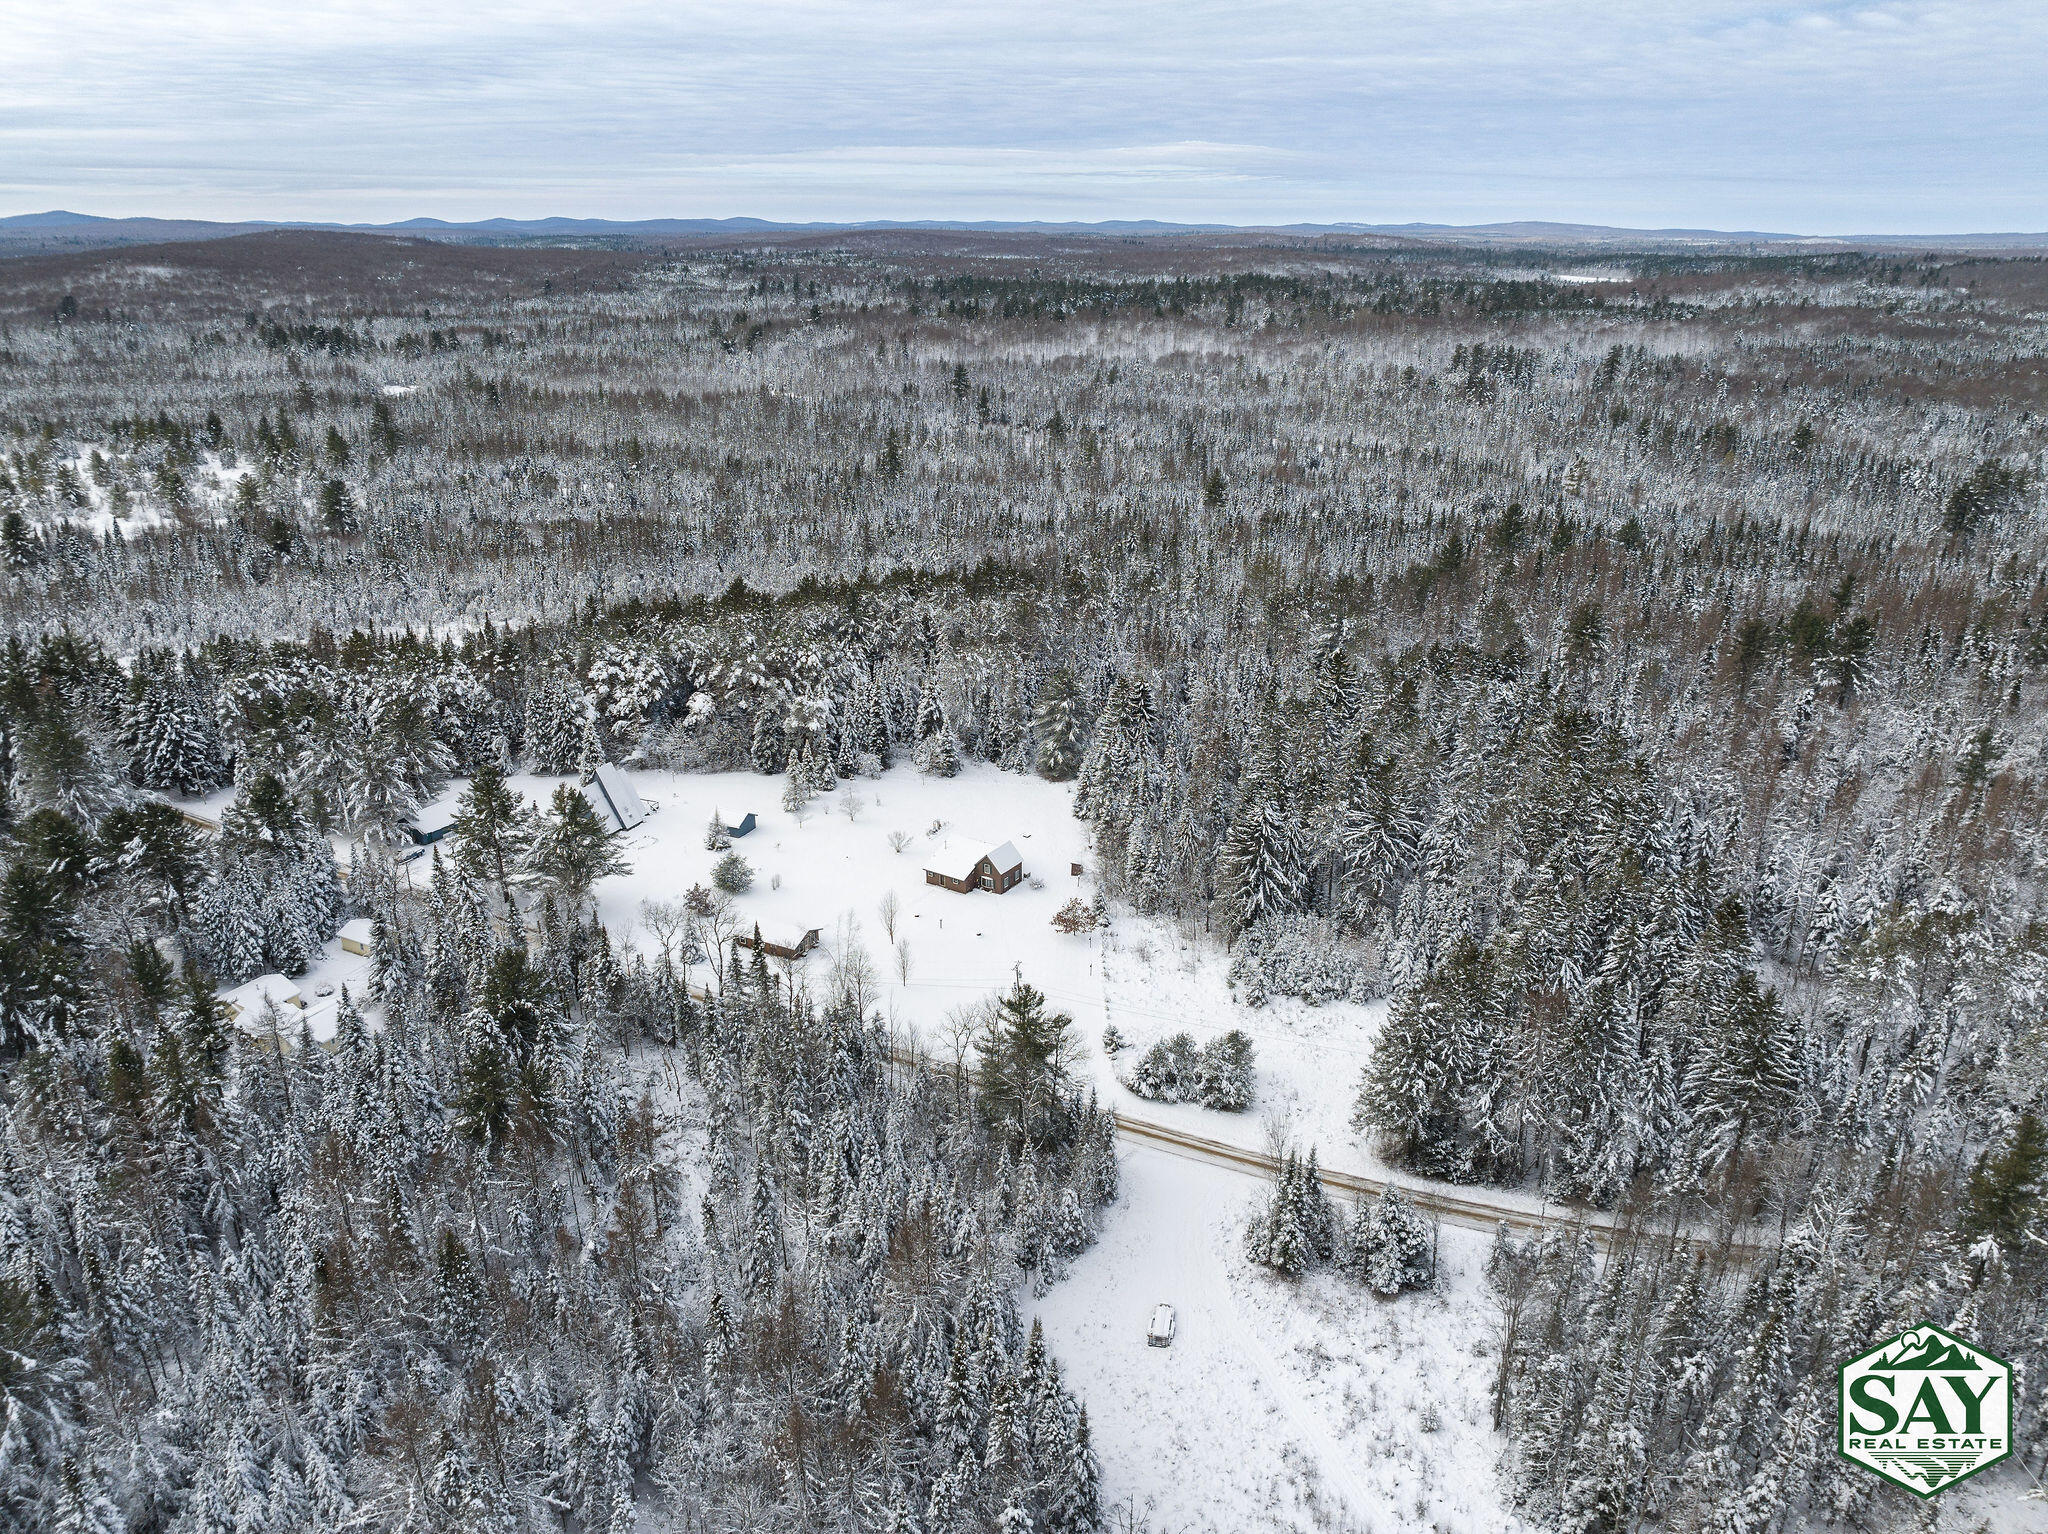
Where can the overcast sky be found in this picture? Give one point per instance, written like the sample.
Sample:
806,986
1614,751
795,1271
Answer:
1811,118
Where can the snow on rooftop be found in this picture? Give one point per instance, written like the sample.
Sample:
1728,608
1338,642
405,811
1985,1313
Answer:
246,1000
612,795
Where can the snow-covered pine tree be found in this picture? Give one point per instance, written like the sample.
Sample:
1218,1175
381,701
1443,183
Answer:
938,754
768,754
556,720
1390,1247
571,850
1224,1076
1056,726
1262,864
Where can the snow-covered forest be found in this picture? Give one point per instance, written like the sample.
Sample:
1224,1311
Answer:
1635,675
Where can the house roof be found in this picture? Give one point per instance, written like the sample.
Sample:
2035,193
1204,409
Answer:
612,795
359,929
1004,856
248,997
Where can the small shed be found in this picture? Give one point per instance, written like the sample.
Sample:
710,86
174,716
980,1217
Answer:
741,827
432,823
612,795
998,870
356,935
795,950
245,1002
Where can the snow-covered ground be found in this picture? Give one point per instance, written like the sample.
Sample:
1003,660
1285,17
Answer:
1280,1405
335,970
1159,981
833,871
1143,975
210,484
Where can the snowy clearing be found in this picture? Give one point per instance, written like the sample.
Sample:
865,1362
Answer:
1140,974
1280,1405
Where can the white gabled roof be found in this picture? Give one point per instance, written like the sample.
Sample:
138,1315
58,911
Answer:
1005,857
357,929
247,999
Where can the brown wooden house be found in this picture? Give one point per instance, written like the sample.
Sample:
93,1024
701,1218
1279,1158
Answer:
796,950
998,869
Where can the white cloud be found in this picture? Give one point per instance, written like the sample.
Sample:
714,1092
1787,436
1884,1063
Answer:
1814,117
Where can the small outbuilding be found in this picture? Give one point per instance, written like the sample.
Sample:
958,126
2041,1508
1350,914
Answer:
795,950
246,1001
997,870
432,823
356,935
611,793
742,827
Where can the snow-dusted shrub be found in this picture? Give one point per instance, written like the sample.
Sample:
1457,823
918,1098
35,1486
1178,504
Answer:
733,874
1175,1071
1113,1040
1305,956
1223,1078
1165,1073
1074,917
1390,1246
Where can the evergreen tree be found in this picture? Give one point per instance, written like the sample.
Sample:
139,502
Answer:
1056,726
1025,1058
1389,1247
1278,1237
494,826
768,755
1264,873
1743,1077
2005,1188
488,1084
174,742
571,850
1223,1079
1424,1084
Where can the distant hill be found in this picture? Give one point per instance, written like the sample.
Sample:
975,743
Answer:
61,230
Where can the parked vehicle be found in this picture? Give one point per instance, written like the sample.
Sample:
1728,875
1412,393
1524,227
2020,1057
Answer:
1160,1333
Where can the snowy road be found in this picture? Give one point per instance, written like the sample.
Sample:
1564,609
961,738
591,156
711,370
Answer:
1481,1214
1279,1406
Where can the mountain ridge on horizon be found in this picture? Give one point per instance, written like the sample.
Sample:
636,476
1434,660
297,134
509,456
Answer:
67,229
